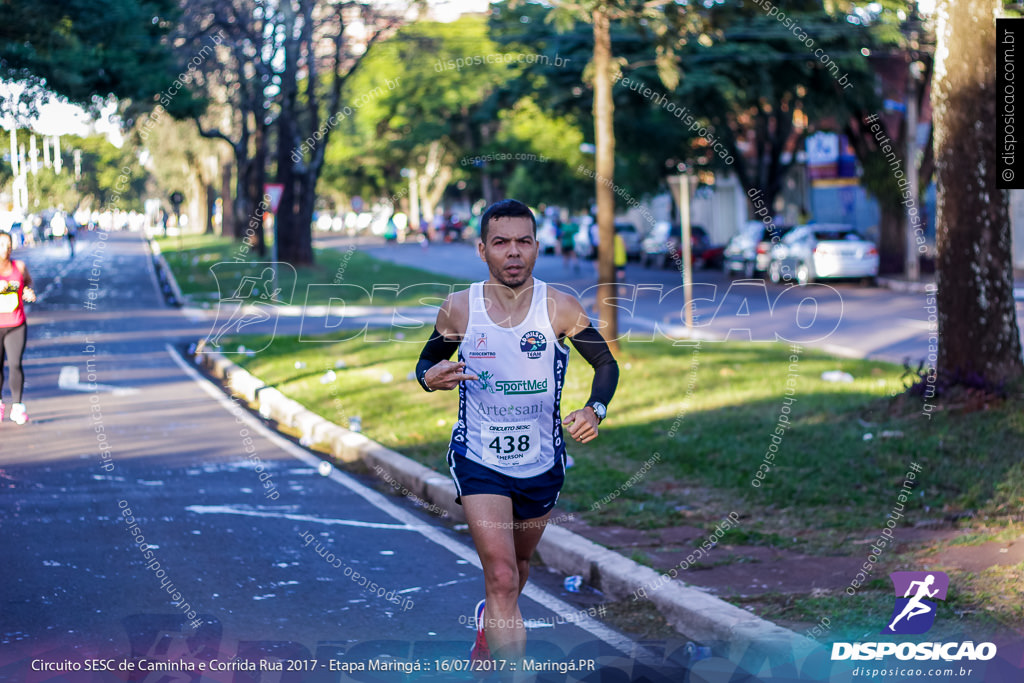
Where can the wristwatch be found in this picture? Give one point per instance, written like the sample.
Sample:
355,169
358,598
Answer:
600,409
422,379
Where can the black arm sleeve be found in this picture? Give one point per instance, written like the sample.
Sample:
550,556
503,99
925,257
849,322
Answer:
595,351
434,351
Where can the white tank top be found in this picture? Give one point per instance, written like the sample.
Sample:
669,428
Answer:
509,418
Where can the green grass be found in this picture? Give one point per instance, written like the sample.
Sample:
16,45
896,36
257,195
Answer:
192,259
708,445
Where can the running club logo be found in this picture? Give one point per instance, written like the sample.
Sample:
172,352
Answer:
914,612
480,347
533,344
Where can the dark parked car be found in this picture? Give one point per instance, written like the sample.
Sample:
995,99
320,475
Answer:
704,253
748,253
661,248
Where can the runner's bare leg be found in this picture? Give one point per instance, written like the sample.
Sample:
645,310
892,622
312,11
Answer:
527,535
505,557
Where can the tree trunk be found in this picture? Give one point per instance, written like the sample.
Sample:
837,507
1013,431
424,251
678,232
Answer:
433,179
227,207
892,239
210,193
977,320
241,207
604,137
295,234
253,206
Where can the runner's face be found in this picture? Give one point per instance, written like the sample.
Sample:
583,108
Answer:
5,246
510,251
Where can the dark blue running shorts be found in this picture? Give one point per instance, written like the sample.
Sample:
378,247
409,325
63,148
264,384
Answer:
531,497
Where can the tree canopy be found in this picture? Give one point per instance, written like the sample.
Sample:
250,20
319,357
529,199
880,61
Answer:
86,51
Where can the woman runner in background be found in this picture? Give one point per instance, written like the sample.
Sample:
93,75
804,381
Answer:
15,290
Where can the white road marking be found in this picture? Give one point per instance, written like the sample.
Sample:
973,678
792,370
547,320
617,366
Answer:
69,381
461,550
232,510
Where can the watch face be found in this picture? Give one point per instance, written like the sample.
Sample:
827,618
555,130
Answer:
599,409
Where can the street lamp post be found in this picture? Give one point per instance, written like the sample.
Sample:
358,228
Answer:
176,199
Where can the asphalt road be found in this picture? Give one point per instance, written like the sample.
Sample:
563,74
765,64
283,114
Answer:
147,518
843,318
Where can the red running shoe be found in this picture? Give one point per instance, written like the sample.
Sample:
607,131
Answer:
480,651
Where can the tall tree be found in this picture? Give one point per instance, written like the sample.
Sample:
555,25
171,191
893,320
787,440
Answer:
978,329
181,160
239,85
757,81
602,71
422,102
604,162
558,82
318,50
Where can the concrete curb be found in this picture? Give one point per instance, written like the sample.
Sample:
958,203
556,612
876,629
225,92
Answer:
897,285
732,632
161,262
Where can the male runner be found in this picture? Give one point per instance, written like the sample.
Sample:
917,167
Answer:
507,455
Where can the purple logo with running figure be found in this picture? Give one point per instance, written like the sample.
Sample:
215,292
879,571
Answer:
914,612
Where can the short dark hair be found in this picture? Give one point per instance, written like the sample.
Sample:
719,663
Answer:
506,208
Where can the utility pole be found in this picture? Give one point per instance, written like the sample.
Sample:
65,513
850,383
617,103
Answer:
683,186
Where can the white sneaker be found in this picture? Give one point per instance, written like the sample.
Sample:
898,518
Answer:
18,414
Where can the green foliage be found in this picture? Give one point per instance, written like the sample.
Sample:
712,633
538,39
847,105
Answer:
47,189
750,72
85,51
430,82
106,172
560,85
555,141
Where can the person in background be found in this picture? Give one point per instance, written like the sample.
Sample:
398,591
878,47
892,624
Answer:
15,290
620,258
567,242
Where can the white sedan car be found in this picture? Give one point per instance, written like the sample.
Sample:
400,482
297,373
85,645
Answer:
818,251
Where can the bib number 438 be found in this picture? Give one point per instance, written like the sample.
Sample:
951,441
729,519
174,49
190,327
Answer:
511,445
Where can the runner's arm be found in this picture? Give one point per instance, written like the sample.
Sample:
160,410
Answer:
436,349
28,294
443,342
594,349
